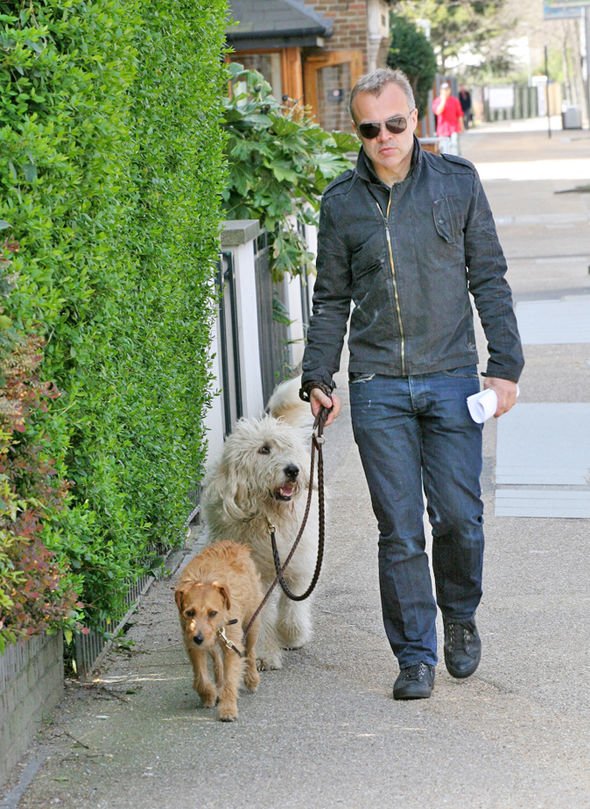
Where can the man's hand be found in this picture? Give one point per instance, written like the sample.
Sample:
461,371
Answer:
506,391
319,399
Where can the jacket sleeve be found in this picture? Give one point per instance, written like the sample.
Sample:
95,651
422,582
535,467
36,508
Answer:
486,266
331,303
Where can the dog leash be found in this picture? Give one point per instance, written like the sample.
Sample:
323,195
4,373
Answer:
227,642
317,442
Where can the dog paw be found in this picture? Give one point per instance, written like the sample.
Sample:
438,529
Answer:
208,697
251,680
228,714
269,663
294,638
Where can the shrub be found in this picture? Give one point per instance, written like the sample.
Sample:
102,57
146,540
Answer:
36,592
279,163
111,164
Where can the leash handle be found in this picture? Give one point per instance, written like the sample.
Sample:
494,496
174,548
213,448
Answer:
320,422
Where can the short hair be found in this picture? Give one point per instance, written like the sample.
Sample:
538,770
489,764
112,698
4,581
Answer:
375,82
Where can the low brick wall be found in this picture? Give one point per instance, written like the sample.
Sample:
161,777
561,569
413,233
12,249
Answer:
31,685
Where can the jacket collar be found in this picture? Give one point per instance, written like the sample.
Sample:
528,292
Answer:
365,170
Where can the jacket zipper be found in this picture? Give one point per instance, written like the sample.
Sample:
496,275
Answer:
385,218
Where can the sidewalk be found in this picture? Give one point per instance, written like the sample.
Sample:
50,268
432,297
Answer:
324,732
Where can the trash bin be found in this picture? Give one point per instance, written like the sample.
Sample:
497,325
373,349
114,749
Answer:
571,118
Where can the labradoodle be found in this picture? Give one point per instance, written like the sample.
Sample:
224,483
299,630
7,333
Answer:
262,480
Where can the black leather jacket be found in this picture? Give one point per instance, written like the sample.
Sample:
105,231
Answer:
407,258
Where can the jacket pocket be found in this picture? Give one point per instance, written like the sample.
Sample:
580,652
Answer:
357,378
446,219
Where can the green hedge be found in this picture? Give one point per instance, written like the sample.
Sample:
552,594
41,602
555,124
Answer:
111,168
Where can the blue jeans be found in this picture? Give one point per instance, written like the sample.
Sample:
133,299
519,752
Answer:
415,434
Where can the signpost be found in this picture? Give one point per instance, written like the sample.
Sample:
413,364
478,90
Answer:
574,9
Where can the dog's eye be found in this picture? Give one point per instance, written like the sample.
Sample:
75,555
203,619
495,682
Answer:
189,614
212,613
264,450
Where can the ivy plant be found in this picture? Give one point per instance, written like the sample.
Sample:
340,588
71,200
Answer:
280,160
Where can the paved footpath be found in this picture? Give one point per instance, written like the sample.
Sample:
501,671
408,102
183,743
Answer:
324,732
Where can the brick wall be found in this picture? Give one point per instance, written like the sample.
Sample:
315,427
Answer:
350,25
31,685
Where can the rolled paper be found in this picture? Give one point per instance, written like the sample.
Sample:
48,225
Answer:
482,405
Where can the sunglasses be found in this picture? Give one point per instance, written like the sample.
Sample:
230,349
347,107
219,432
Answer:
396,125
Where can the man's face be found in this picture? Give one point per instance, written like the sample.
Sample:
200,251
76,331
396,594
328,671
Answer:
390,154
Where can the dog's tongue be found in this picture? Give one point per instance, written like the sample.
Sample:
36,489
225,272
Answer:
287,490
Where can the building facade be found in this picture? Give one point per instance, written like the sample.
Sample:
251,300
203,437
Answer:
311,53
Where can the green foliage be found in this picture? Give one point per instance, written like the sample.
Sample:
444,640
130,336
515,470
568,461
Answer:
411,52
455,25
36,592
111,165
279,163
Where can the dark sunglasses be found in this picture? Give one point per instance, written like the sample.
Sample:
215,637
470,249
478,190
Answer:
396,125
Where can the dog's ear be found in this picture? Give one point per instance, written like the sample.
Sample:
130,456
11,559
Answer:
229,493
224,592
178,597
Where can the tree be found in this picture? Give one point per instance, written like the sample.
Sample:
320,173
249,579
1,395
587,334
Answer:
411,52
455,25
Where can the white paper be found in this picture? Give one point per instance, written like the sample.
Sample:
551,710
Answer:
482,405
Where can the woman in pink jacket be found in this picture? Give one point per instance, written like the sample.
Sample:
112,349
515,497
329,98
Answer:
449,120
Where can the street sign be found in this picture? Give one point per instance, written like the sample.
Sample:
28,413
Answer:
563,13
566,3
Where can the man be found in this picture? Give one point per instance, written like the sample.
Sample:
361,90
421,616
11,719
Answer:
405,237
465,101
449,119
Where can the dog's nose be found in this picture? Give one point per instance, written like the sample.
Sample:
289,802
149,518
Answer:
291,471
198,639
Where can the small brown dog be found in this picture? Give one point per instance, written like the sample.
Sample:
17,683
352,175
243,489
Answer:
218,593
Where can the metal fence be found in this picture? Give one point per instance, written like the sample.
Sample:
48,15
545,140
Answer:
229,345
273,335
509,102
87,648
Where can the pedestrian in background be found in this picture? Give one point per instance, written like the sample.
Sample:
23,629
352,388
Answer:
406,238
465,101
449,120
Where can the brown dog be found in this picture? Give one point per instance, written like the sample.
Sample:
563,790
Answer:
218,592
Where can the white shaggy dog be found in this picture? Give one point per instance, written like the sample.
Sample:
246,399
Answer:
262,479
